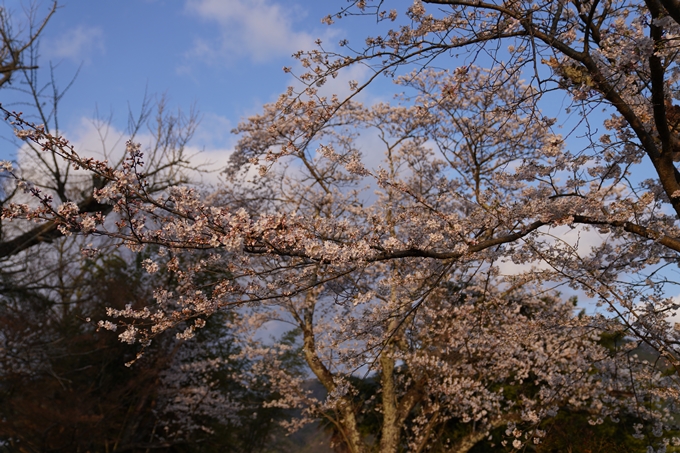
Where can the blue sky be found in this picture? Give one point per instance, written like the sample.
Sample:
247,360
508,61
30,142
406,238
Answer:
223,56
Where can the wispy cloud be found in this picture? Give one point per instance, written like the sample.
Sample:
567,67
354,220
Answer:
255,29
76,44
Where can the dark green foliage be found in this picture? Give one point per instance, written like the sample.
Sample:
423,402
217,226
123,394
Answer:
73,392
64,386
572,432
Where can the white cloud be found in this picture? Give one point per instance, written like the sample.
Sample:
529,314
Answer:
103,141
258,29
76,44
213,131
581,240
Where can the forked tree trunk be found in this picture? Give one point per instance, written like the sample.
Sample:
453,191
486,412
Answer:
346,423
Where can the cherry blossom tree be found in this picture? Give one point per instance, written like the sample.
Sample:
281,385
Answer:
442,164
616,56
399,263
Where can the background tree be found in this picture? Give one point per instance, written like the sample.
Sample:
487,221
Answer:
19,39
65,386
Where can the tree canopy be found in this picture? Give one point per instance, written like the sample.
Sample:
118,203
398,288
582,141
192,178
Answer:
420,241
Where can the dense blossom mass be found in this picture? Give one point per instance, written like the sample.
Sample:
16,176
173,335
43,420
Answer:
415,245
